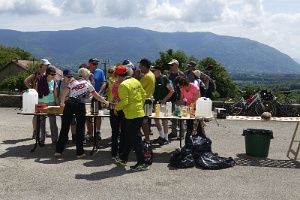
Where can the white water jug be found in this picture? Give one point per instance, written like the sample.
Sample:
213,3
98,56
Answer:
29,99
203,107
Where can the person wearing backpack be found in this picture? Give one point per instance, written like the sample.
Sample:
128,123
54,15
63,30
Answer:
208,81
199,82
162,93
189,72
30,83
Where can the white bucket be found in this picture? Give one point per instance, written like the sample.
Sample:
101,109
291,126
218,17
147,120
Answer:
203,107
29,99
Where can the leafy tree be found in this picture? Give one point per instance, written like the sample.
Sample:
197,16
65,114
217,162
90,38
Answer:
225,85
10,53
166,57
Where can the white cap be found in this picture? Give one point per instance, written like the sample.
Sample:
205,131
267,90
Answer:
45,62
173,61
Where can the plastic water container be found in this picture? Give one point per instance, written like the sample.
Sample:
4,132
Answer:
29,99
203,107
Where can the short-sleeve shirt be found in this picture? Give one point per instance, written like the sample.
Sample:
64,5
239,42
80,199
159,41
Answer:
161,91
190,94
172,77
148,83
79,88
99,78
50,97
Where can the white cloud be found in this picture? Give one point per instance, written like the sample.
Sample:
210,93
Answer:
29,7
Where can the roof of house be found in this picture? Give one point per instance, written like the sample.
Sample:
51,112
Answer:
24,64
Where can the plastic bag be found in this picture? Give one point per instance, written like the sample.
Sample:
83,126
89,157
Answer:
210,160
198,144
182,158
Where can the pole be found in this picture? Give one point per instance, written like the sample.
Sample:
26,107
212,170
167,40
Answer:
105,62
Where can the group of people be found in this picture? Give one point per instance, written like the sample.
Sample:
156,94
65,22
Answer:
127,87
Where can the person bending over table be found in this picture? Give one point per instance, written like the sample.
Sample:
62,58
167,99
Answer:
191,93
75,104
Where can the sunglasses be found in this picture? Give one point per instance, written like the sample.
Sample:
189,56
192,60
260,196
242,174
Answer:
94,63
110,72
52,74
69,76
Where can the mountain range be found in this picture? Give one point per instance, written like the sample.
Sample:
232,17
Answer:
70,48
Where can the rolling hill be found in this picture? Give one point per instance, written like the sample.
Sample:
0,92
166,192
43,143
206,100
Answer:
70,48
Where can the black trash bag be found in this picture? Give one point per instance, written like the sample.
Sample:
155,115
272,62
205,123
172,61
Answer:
210,160
148,152
198,144
182,158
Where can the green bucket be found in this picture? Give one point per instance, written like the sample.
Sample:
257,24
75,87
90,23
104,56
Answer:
257,142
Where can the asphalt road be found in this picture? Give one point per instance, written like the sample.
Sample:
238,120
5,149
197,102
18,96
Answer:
39,175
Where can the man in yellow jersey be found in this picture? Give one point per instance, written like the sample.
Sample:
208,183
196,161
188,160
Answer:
132,98
148,83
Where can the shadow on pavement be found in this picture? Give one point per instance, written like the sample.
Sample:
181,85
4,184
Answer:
244,160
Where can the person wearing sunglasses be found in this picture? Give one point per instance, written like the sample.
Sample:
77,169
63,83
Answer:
46,87
62,84
100,86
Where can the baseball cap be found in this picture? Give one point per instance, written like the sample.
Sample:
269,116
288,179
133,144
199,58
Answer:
45,62
173,61
192,64
156,68
145,62
121,70
128,63
93,60
67,72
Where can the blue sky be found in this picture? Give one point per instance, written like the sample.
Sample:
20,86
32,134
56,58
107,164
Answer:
272,22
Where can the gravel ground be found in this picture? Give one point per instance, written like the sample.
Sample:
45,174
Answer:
38,175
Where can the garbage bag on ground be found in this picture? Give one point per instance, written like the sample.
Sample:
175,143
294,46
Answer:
210,160
198,144
182,158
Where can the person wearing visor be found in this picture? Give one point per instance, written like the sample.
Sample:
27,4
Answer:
30,83
62,84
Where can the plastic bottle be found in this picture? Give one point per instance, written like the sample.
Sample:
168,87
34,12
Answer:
192,110
157,109
168,109
162,110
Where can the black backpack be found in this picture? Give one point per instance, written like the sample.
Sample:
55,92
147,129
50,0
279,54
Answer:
212,87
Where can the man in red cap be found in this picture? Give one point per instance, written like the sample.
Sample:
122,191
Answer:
132,98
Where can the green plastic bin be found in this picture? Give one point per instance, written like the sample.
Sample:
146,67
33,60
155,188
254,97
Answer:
257,142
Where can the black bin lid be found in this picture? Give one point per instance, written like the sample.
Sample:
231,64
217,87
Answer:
258,132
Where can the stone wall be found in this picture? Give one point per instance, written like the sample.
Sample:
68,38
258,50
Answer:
16,101
10,100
